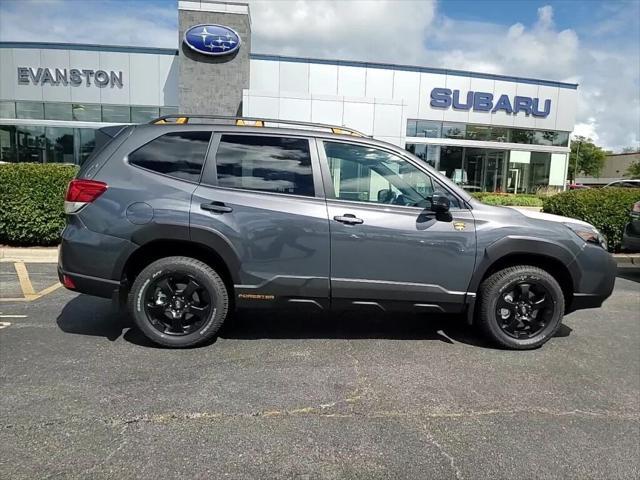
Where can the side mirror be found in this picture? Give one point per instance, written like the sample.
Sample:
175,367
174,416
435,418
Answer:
386,195
440,203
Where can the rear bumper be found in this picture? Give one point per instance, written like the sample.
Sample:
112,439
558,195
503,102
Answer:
93,261
98,287
598,276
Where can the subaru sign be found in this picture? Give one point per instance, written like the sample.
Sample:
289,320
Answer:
485,102
213,40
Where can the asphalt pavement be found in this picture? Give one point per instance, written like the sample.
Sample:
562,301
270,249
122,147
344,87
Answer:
313,397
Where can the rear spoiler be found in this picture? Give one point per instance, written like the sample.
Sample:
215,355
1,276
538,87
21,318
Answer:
105,134
103,149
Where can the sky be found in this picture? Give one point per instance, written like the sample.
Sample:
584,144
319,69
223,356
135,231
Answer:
592,43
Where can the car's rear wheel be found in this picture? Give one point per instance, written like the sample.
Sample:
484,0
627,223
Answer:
521,307
179,302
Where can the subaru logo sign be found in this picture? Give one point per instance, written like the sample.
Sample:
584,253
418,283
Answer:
213,40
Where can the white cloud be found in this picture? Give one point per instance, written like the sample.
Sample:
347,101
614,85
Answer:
380,30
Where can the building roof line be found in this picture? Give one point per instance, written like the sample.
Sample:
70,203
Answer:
283,58
90,47
415,68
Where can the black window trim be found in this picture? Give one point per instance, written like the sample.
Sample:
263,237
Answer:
162,134
209,176
328,181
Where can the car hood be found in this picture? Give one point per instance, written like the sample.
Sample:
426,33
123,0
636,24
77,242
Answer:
552,218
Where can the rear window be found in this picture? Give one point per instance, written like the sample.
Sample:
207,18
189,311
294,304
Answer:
269,164
177,154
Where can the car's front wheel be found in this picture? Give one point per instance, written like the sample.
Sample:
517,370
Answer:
178,302
521,307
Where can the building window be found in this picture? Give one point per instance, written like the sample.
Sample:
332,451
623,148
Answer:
83,112
269,164
8,144
453,130
168,111
116,114
478,132
7,110
30,110
31,144
57,111
427,153
179,154
144,114
58,145
433,129
86,141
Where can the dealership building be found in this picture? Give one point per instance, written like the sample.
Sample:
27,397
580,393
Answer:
486,132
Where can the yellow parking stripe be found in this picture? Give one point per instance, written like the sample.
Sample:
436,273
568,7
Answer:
27,287
49,289
25,281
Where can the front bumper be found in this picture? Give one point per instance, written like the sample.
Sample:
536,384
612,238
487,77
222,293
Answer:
598,270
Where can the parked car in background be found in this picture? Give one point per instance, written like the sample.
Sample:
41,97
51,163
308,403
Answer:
577,186
624,183
631,235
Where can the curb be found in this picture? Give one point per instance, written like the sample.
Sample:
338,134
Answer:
627,260
29,255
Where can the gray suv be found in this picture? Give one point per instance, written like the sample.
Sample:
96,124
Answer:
189,218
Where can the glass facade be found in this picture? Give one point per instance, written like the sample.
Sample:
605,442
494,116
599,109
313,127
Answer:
494,170
58,144
487,133
23,143
82,112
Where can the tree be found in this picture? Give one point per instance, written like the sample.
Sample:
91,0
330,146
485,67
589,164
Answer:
590,157
634,170
631,150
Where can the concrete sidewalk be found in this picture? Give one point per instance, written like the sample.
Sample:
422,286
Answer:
50,255
29,254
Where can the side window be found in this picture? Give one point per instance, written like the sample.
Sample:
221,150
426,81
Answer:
268,164
178,154
366,174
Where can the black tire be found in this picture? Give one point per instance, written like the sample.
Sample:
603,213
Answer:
161,286
518,317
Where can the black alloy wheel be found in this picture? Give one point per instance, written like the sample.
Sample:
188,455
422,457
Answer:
524,310
177,304
520,307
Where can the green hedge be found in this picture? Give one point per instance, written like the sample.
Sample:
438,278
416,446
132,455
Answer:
32,202
508,199
605,208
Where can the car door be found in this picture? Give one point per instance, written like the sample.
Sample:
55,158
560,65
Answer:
388,249
260,203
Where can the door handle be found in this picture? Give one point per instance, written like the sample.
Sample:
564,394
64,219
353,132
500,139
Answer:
216,207
348,219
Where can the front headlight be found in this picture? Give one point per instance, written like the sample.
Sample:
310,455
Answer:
588,234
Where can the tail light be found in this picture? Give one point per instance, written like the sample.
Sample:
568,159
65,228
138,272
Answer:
81,192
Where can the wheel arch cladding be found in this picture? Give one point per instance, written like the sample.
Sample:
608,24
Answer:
222,260
550,256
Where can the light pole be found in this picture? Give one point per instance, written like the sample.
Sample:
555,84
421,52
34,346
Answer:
575,169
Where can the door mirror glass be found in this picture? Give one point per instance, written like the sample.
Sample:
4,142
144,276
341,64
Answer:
440,203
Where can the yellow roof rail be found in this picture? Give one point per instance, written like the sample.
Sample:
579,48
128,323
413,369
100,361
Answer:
256,122
247,123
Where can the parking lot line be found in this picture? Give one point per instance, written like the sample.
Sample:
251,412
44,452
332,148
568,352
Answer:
28,292
25,281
